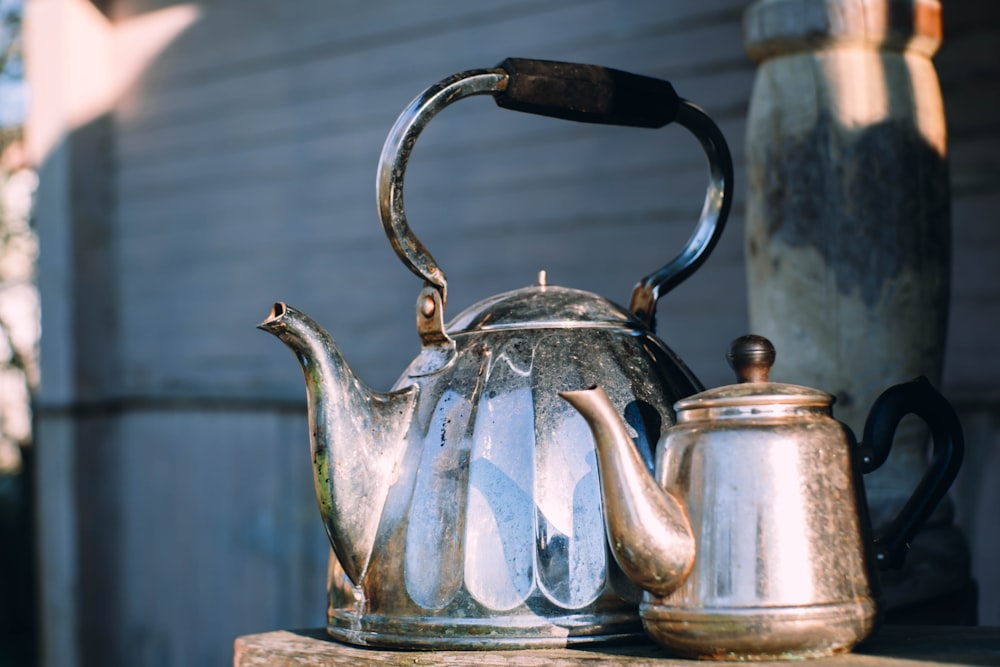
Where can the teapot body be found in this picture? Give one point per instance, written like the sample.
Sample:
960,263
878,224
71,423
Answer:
492,533
783,562
464,507
752,541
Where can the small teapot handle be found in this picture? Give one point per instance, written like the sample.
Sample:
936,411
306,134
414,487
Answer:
919,398
586,93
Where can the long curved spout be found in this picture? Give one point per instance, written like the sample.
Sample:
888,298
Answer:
648,529
356,435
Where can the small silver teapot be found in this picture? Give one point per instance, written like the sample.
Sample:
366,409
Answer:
463,505
753,540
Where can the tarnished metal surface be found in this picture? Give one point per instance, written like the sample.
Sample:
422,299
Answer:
412,121
770,483
713,216
662,558
356,437
482,495
464,505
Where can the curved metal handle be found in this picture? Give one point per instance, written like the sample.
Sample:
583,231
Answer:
714,212
919,398
586,93
396,152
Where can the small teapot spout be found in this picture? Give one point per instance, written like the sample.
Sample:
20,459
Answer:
648,529
356,435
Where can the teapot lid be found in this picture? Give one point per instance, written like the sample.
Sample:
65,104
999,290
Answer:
542,306
751,358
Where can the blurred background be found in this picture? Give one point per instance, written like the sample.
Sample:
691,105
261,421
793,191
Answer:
189,163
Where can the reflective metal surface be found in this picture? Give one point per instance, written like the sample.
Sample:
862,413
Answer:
770,484
464,506
782,566
412,121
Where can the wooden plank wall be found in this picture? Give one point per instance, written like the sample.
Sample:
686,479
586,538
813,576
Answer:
242,164
245,172
969,69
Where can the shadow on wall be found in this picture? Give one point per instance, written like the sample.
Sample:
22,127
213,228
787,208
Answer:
189,504
18,612
139,495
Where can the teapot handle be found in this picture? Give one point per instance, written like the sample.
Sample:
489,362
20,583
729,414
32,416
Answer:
919,398
586,93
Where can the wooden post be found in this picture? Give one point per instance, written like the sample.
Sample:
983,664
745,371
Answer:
848,231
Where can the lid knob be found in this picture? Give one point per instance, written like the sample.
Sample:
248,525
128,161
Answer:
751,358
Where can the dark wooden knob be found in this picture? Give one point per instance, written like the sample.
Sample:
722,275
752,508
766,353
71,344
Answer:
751,357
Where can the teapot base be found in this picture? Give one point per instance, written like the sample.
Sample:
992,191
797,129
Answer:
517,631
760,633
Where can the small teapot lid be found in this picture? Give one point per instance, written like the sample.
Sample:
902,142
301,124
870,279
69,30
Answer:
751,357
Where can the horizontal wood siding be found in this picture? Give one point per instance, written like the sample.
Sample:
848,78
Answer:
242,171
244,162
246,159
968,67
196,527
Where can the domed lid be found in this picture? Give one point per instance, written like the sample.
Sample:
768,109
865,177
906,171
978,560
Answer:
542,306
751,358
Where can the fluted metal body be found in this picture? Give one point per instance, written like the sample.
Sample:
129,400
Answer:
497,518
464,506
491,531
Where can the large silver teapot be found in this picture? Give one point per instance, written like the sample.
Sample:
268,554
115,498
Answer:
464,505
753,540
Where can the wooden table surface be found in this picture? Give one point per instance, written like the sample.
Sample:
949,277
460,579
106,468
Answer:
892,646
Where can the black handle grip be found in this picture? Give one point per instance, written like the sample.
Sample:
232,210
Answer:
919,398
587,93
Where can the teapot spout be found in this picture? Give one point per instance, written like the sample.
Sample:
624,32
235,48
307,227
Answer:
648,529
356,436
